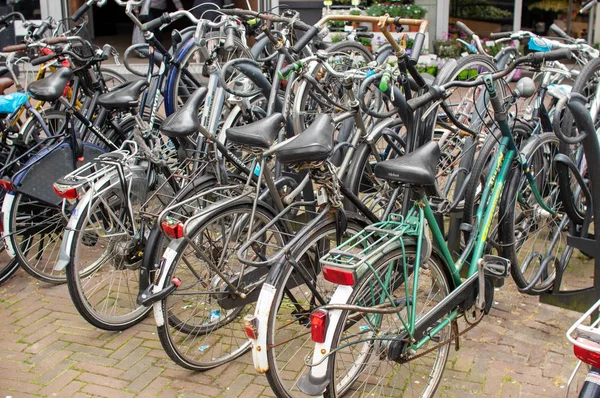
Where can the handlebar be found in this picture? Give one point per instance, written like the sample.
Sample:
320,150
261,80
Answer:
296,23
10,15
464,28
439,92
559,32
82,10
14,48
587,6
501,35
44,59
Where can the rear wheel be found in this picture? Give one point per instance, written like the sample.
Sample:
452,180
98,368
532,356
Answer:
361,341
202,322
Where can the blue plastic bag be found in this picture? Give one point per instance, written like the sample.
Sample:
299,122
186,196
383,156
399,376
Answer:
11,102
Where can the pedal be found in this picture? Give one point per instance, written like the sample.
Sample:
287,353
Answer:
496,266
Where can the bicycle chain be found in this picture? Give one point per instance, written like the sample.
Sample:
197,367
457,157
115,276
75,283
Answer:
435,347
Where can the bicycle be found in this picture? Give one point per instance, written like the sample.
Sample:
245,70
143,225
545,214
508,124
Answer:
386,278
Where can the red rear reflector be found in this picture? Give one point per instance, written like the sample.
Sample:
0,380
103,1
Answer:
176,282
589,357
339,276
318,325
250,325
6,185
65,192
173,228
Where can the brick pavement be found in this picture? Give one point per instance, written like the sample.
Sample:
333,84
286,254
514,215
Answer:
47,349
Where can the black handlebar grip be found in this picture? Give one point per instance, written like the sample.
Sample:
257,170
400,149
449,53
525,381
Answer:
415,53
500,35
365,35
44,59
464,28
229,39
555,55
80,12
418,102
39,32
305,39
156,23
559,32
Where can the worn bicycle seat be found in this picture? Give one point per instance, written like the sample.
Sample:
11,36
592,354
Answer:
5,82
313,144
3,70
259,134
186,120
416,168
123,98
52,87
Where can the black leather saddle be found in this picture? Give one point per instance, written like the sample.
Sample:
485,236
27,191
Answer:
313,144
3,71
416,168
52,87
124,97
186,120
259,134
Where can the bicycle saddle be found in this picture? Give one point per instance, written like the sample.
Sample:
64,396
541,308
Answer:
259,134
123,98
5,82
313,144
416,168
186,120
52,87
3,70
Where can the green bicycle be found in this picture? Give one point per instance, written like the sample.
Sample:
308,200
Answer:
388,327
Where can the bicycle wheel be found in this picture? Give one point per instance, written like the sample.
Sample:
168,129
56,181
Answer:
112,78
180,86
587,84
202,321
360,345
531,237
288,330
103,274
308,102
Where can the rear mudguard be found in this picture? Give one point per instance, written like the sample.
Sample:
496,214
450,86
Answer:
7,204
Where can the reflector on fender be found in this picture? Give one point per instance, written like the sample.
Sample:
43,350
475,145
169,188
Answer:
7,185
65,191
251,326
172,228
339,276
587,356
318,325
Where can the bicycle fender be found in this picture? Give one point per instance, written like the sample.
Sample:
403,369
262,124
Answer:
7,204
167,261
262,311
64,257
316,381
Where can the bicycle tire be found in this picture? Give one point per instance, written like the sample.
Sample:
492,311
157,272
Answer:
354,368
587,83
518,206
175,331
278,376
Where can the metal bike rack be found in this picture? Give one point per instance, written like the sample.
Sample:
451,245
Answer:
582,299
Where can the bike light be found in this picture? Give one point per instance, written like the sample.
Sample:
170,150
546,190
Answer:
65,191
318,325
172,228
339,276
251,326
7,185
587,356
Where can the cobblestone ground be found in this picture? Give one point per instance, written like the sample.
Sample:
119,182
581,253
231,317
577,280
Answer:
47,349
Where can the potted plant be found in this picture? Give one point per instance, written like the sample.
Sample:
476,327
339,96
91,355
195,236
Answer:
337,38
415,12
366,42
355,11
336,26
376,10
